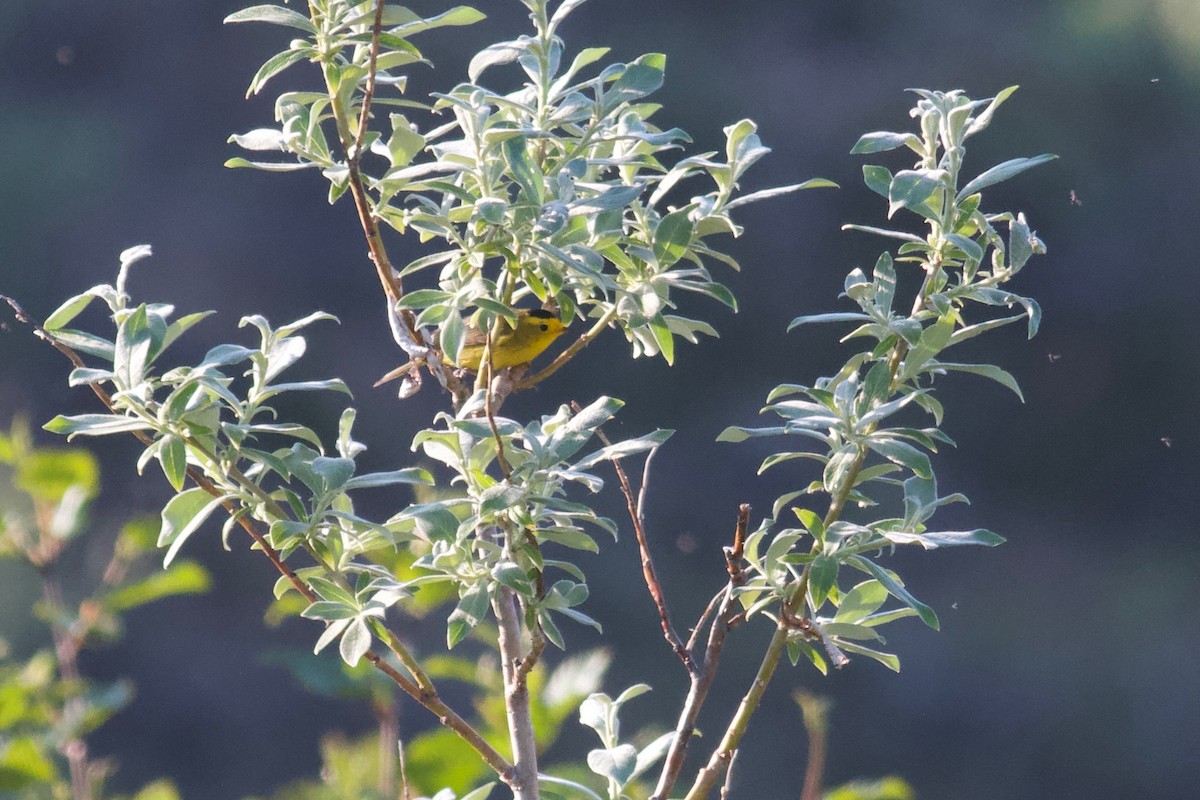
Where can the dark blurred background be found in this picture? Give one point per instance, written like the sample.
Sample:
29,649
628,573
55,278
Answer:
1066,666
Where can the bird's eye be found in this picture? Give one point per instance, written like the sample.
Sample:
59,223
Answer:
544,326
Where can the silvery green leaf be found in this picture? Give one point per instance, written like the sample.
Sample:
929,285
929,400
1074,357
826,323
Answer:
617,763
895,589
493,55
273,14
182,516
1002,172
881,141
986,370
932,540
912,188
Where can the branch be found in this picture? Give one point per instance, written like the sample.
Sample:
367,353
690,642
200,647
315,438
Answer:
648,570
423,691
524,783
724,622
789,619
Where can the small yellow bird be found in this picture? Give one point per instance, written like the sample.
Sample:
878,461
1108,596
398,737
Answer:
536,330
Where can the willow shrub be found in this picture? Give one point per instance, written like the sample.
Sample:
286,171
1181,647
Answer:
563,195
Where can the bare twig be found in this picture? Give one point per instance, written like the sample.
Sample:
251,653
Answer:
699,626
537,646
485,377
724,622
369,91
648,571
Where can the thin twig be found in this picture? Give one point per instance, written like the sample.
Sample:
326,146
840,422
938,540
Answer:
648,571
368,92
537,646
725,620
485,375
699,626
728,776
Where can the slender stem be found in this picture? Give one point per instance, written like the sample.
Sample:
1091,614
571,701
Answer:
702,681
524,783
66,653
649,573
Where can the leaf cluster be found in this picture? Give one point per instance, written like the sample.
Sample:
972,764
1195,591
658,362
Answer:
860,419
557,193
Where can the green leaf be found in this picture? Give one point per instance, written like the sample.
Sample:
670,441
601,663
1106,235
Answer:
779,191
50,473
890,234
276,15
833,316
493,55
183,516
481,793
183,577
131,355
617,763
672,237
878,179
902,453
356,641
511,575
172,455
267,166
471,609
94,425
68,311
895,589
887,659
881,141
523,170
1002,172
967,245
935,539
986,370
270,68
400,476
24,763
861,601
983,120
664,338
933,340
911,188
640,78
822,577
